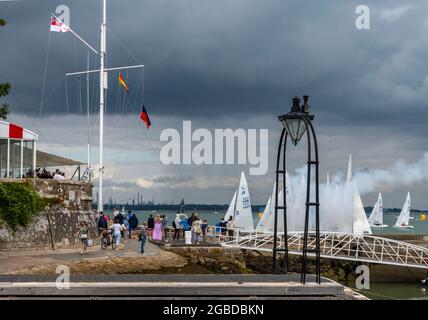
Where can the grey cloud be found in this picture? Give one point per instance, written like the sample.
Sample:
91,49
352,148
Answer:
172,179
227,64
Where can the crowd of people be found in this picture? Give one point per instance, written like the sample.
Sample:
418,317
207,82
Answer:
122,227
45,174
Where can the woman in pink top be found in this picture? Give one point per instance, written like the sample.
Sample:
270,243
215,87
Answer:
157,231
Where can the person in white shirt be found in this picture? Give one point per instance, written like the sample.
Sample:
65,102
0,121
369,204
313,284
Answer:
231,228
178,226
117,228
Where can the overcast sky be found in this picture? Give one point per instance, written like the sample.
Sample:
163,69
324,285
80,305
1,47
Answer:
226,64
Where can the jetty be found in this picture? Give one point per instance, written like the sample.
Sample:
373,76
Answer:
157,286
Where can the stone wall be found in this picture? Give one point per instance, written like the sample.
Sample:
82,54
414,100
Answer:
69,202
215,259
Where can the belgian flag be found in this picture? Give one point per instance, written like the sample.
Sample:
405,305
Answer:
145,117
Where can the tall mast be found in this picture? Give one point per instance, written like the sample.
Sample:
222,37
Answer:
87,115
103,71
103,86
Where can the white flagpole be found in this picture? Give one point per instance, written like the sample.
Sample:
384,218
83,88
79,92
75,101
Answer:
103,86
88,114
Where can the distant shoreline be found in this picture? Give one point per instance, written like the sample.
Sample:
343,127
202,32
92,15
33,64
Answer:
213,207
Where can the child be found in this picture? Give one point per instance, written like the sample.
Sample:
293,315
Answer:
142,236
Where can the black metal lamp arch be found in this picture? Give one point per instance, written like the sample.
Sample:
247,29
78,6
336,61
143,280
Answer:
296,123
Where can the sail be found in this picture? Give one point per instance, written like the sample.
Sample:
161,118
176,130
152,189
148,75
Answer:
288,192
231,210
349,173
270,225
265,217
403,218
296,209
376,217
361,223
243,213
181,207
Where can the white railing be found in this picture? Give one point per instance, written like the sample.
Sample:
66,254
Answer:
333,245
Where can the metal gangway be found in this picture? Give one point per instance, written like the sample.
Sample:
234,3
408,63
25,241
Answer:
333,245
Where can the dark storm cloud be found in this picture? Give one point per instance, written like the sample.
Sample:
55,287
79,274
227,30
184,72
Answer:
242,57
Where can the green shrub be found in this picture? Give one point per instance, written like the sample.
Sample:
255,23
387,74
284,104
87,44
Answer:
19,204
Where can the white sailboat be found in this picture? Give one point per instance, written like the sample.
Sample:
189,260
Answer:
361,224
243,213
376,217
265,217
240,207
230,211
263,224
404,217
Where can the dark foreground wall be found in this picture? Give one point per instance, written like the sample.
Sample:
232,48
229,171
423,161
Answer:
55,227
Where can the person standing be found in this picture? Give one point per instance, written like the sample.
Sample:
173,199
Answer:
204,228
125,227
177,227
230,228
197,230
133,224
150,226
223,228
164,226
117,229
142,237
83,235
157,230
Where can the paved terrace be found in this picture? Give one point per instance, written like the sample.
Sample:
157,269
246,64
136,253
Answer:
41,285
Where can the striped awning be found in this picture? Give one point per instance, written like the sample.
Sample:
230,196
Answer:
14,131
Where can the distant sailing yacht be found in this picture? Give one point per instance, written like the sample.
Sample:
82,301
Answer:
240,207
181,207
376,217
404,217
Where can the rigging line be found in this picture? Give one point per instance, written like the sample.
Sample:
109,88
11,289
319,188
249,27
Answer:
133,97
123,46
45,75
53,91
67,106
79,95
143,89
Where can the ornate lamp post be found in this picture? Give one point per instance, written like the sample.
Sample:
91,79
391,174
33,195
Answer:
296,123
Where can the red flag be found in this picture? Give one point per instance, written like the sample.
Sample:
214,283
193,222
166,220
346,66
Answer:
145,117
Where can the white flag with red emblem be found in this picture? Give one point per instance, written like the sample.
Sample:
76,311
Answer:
58,26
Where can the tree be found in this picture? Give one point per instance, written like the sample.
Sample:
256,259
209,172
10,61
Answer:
4,90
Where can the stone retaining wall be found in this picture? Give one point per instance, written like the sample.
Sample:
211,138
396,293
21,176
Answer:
56,226
215,259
